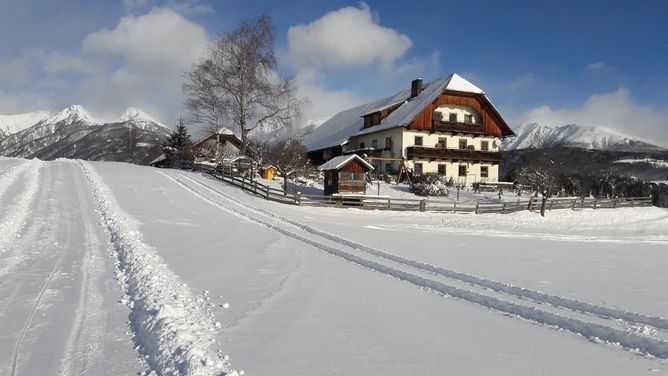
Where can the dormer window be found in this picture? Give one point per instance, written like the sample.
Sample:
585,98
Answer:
372,119
452,118
468,119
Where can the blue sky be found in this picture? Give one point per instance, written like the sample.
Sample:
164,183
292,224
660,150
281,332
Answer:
590,62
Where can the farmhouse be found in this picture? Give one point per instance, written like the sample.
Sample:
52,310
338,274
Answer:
345,174
447,126
223,144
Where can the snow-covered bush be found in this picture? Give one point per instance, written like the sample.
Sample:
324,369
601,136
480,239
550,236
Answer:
430,185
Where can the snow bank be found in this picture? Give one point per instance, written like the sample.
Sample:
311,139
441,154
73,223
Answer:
173,329
16,218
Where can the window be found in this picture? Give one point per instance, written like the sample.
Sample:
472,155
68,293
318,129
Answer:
452,118
468,119
442,143
388,167
417,169
374,144
462,143
388,142
351,176
484,145
418,140
361,145
484,172
375,119
462,170
441,169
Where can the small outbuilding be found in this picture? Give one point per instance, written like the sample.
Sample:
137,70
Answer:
345,174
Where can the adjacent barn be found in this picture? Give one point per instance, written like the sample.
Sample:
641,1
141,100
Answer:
345,174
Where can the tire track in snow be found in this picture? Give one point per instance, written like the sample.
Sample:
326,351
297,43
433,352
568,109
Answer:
9,177
591,331
17,216
171,328
520,292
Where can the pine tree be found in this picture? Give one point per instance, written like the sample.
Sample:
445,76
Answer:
180,138
177,143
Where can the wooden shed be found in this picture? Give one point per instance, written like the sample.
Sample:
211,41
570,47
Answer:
345,174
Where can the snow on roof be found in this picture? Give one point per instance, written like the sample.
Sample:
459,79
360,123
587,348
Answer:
337,130
338,162
224,130
162,157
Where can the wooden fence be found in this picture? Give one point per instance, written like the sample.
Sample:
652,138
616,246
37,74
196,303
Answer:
427,204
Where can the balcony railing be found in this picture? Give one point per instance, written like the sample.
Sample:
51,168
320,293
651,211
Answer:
446,126
454,154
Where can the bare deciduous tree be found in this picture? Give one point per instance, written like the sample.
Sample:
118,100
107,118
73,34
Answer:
289,158
237,83
542,174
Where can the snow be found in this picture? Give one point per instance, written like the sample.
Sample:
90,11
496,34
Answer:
533,135
10,124
137,115
225,131
651,161
278,289
71,114
337,162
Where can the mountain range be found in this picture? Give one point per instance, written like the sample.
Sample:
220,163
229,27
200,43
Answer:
533,135
75,133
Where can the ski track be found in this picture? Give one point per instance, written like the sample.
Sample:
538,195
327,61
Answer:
86,335
33,309
173,330
17,216
592,331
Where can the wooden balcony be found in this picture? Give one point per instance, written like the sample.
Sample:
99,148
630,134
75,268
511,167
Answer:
453,154
446,126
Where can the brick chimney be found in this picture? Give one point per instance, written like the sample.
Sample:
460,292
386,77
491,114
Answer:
416,87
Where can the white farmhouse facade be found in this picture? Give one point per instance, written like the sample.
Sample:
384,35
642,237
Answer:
448,127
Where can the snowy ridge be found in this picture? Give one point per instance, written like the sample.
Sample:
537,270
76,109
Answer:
18,214
72,114
533,135
10,124
651,161
172,328
587,329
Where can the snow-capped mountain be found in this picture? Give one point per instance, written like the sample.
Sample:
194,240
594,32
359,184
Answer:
533,135
15,123
75,133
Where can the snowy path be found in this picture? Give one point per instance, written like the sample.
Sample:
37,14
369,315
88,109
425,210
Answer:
58,299
633,331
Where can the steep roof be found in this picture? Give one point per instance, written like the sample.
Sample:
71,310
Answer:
337,130
340,161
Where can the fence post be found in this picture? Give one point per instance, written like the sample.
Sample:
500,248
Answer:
551,202
267,193
614,202
299,198
476,207
503,210
423,205
389,203
595,202
574,201
530,206
454,207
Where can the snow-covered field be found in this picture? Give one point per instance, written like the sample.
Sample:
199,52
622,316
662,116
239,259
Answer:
109,268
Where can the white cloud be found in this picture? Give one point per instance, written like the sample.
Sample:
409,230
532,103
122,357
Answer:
595,66
349,36
615,110
324,103
159,39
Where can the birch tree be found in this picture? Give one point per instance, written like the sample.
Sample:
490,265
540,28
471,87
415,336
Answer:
237,83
